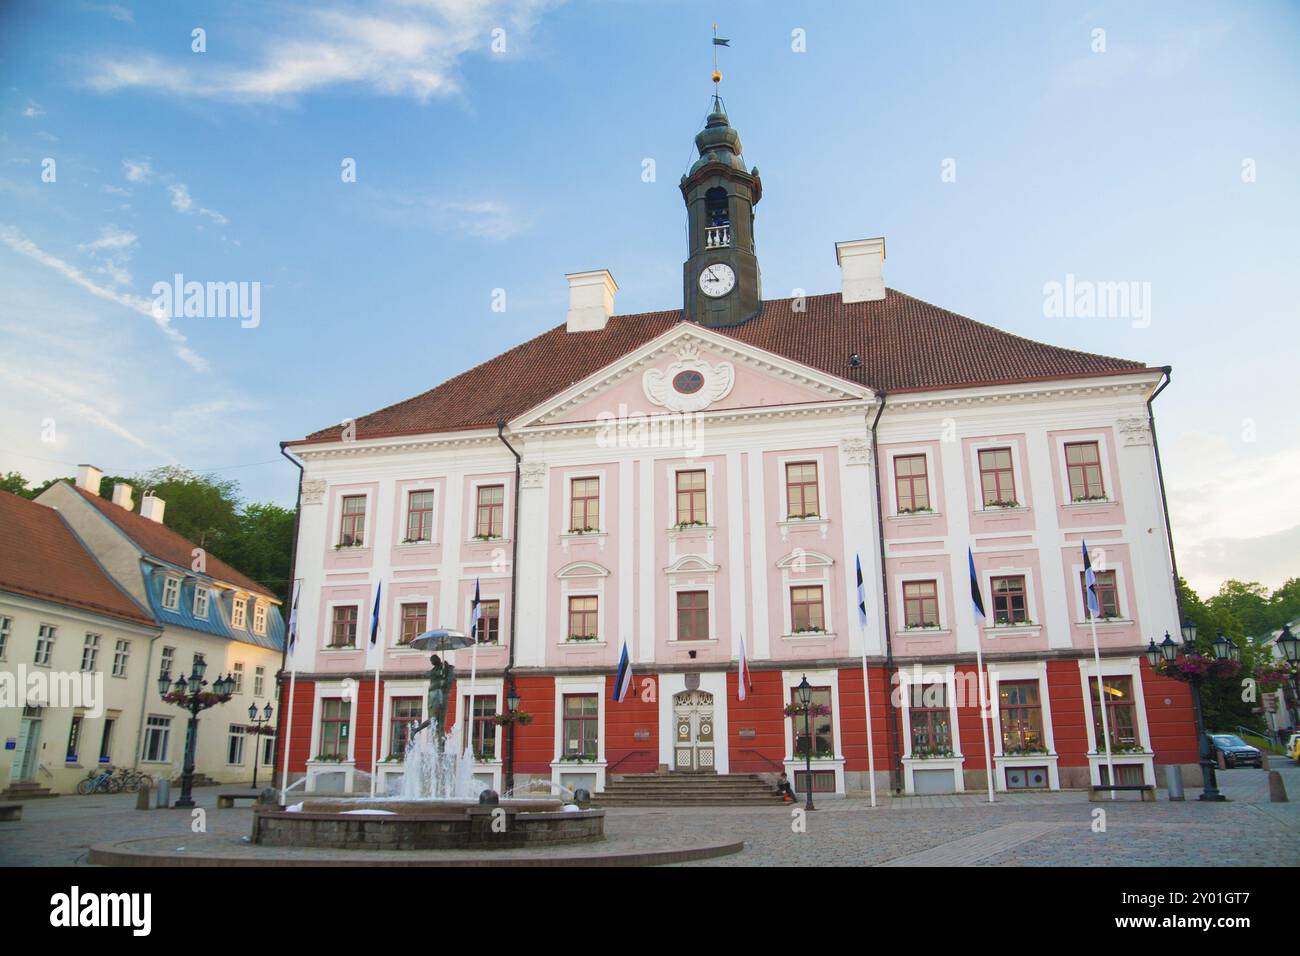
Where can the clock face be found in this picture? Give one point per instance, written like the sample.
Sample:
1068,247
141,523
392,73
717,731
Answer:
717,280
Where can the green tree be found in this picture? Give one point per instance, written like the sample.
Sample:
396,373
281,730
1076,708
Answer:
202,508
261,546
15,484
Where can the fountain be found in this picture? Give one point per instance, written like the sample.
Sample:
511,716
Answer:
439,805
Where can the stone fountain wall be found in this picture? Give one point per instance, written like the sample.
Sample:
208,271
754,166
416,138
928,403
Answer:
464,829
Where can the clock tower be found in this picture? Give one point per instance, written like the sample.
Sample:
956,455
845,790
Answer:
720,278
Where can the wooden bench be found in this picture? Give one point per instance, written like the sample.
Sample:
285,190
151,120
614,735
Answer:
1148,792
11,811
226,800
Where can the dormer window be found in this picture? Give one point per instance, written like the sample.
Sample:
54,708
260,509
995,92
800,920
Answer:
259,618
239,612
201,598
717,231
171,597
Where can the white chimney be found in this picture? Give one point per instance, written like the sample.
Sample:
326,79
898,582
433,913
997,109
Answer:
862,268
88,477
122,495
151,507
591,299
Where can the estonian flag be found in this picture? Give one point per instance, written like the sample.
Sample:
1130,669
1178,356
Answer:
374,618
746,682
718,41
976,600
293,618
862,595
623,680
1089,583
475,613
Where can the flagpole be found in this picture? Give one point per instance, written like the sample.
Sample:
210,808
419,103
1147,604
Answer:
288,737
984,710
1101,702
374,710
866,694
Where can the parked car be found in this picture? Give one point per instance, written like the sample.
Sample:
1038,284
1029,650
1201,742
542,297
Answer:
1236,752
1293,747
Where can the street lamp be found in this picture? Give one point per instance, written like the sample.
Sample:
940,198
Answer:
804,691
257,723
1167,651
512,708
189,694
1289,644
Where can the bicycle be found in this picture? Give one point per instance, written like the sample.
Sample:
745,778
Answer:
132,779
102,781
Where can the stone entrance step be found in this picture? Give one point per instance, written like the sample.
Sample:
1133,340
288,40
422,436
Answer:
686,789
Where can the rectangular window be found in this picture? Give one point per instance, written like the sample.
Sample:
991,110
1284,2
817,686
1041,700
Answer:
89,652
584,504
419,516
335,719
997,478
268,751
352,526
930,720
201,598
106,741
343,629
74,739
121,654
1021,715
1083,465
921,603
806,610
1126,775
1107,595
259,681
823,741
171,593
44,644
823,781
581,726
1121,713
239,677
259,618
491,516
168,656
1010,603
693,615
911,484
692,498
489,626
801,490
235,745
583,617
404,714
6,624
482,726
157,735
415,619
239,612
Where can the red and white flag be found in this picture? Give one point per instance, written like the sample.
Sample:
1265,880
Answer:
746,683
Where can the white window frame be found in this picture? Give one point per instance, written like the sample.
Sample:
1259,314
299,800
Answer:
416,488
1117,667
580,474
815,458
367,536
676,588
171,592
6,626
931,488
1017,672
790,681
573,578
1121,577
907,678
259,617
327,631
579,685
507,510
340,690
468,609
941,596
259,680
165,728
1016,444
236,732
121,657
1031,600
816,561
202,601
1103,453
45,635
395,637
709,505
239,612
90,646
237,671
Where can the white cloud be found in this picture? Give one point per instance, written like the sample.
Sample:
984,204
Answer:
33,110
398,48
481,218
137,170
15,240
110,237
114,10
184,203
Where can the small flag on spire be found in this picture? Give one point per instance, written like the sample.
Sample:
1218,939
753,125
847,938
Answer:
719,41
623,679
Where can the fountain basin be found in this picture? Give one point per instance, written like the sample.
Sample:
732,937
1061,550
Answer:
426,825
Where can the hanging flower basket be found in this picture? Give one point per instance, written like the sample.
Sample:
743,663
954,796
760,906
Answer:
1273,674
521,717
1197,667
814,710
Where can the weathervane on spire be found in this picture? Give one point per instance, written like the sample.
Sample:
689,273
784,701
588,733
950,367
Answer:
717,75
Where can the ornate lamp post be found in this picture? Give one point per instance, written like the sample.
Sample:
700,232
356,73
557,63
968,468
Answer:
804,692
1289,644
258,722
512,708
1167,652
189,694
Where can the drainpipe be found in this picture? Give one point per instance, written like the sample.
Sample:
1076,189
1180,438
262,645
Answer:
508,777
144,700
895,750
1160,477
278,768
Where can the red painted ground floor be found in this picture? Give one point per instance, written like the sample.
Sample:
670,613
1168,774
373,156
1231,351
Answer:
1044,726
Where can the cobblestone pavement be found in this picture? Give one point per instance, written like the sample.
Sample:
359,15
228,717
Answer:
962,829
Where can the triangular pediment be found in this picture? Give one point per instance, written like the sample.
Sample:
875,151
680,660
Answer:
692,369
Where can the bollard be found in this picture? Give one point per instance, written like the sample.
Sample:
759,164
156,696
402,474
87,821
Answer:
142,798
164,794
1174,782
1276,788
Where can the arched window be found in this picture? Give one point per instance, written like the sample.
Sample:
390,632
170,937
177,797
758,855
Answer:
717,218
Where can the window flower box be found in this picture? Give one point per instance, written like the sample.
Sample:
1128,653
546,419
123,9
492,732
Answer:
922,510
581,639
578,758
584,530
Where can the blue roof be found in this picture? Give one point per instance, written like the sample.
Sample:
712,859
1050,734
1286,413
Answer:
217,622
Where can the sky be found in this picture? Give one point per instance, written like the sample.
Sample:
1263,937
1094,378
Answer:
498,145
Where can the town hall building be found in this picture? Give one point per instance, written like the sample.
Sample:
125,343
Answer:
699,484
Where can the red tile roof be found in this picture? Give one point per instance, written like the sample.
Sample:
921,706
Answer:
162,542
43,559
905,345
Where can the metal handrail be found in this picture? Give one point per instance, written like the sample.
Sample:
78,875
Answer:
766,758
631,753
